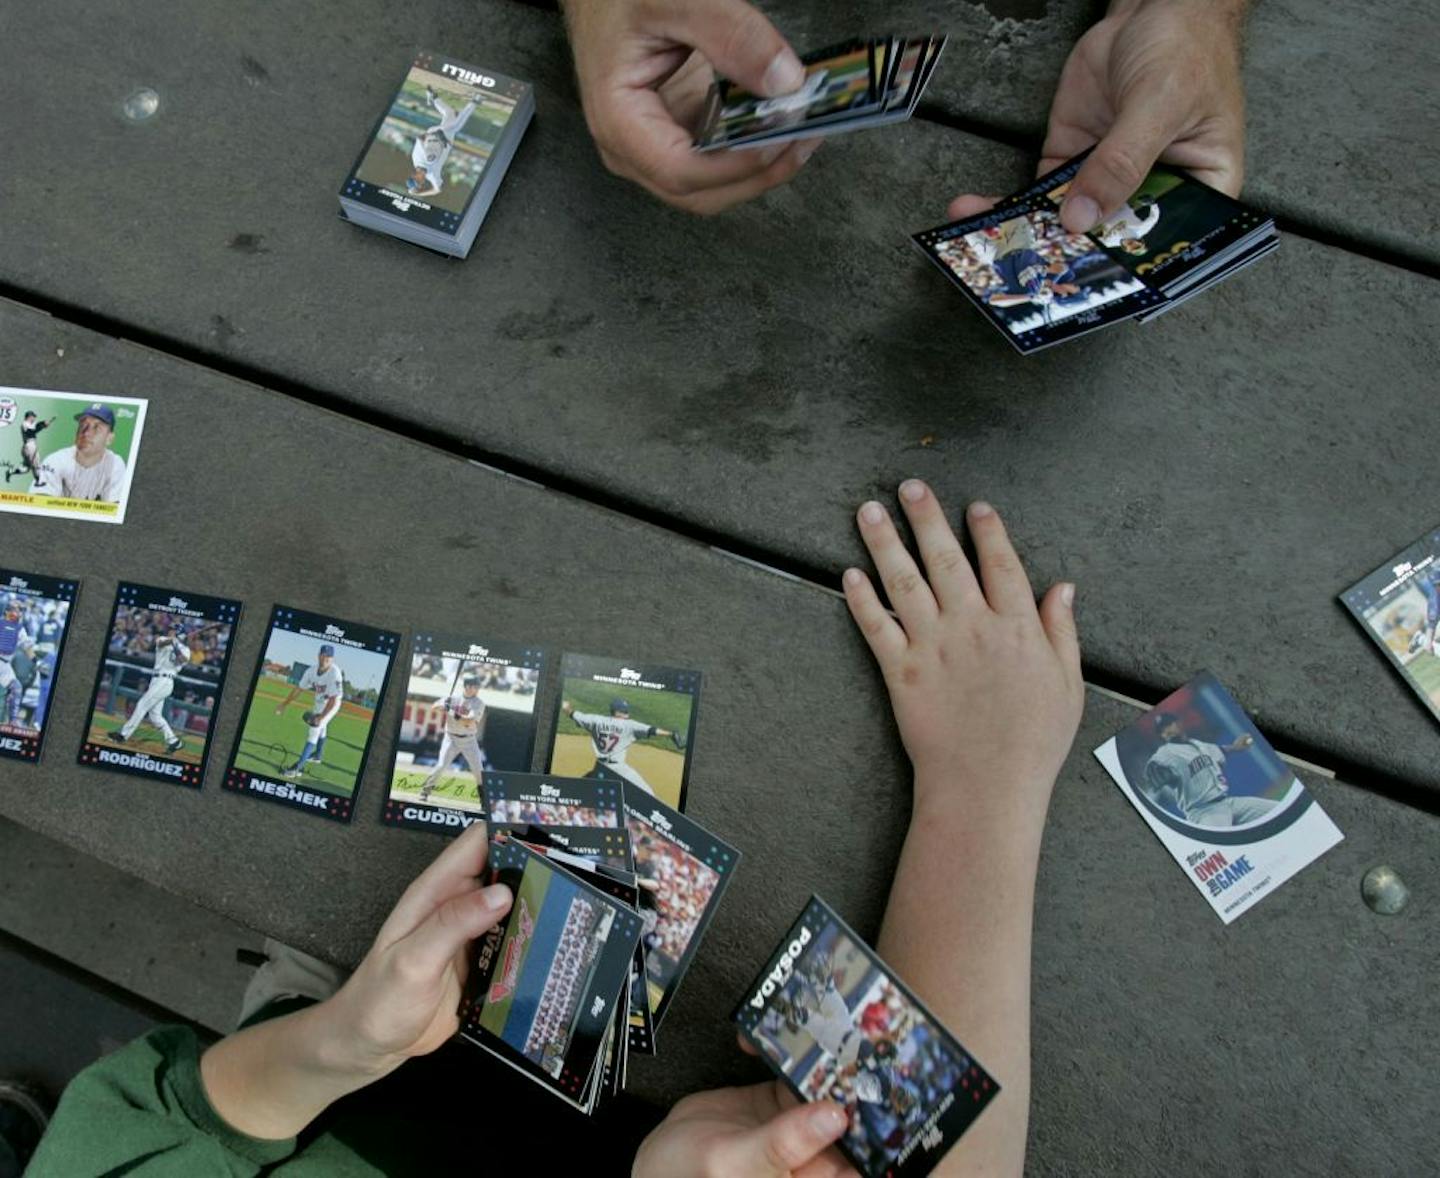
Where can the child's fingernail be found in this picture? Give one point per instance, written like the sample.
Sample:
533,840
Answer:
912,489
853,577
980,509
1067,595
495,896
1079,213
828,1120
872,513
784,75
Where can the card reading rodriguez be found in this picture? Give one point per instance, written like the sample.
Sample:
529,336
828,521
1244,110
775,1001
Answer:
833,1021
310,715
34,623
1228,809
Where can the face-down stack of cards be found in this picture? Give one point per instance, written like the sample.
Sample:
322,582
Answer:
848,86
438,154
1040,284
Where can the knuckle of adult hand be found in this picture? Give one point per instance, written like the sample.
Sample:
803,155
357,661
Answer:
904,584
950,560
1120,166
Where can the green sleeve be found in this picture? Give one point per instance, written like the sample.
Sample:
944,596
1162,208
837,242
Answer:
143,1110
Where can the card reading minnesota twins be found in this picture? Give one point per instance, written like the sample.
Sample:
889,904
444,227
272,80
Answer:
157,692
34,622
626,721
832,1020
469,708
310,716
1228,809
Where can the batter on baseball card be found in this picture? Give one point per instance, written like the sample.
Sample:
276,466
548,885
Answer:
310,714
546,984
157,692
579,815
1399,607
469,708
1232,814
832,1020
683,871
34,623
70,455
626,721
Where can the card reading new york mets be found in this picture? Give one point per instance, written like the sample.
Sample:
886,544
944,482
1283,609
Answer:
310,716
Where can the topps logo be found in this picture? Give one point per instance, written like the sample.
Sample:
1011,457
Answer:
176,603
597,1008
478,652
334,631
629,676
1403,570
782,971
19,583
549,791
469,76
659,819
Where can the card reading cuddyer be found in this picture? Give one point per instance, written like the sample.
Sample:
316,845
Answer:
626,721
832,1020
34,622
157,691
310,716
469,709
1228,809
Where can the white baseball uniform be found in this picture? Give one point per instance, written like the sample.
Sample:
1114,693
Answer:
169,658
14,639
1126,224
432,149
328,687
832,1027
464,718
1187,774
65,477
611,738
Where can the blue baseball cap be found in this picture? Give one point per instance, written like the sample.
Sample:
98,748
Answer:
620,705
99,412
328,649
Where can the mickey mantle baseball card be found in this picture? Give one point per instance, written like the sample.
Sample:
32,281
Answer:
1398,605
34,623
836,1024
624,720
70,455
1231,813
157,692
469,708
547,982
310,714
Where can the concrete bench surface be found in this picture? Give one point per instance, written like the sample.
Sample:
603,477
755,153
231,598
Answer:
1301,1038
1211,480
1341,125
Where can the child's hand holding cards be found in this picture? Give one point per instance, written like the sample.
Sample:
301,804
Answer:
847,86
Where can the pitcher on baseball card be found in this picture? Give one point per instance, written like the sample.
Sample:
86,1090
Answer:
157,692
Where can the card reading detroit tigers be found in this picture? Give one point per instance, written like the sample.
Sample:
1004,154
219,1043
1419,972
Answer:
157,692
626,721
310,715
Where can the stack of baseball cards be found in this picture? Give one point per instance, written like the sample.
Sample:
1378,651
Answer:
157,692
856,84
836,1024
1399,607
437,156
1232,814
1040,285
34,623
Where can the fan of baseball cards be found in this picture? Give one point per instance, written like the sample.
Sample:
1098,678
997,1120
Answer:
1040,284
835,1024
847,86
438,154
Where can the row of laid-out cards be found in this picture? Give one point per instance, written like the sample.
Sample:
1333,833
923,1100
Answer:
311,709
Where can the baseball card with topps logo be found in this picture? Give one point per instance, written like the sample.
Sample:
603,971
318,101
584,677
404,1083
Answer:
469,707
1399,607
578,815
1228,809
836,1024
310,714
546,982
683,871
157,692
68,454
34,623
626,721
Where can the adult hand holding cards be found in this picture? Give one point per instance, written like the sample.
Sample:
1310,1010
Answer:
847,86
1040,284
